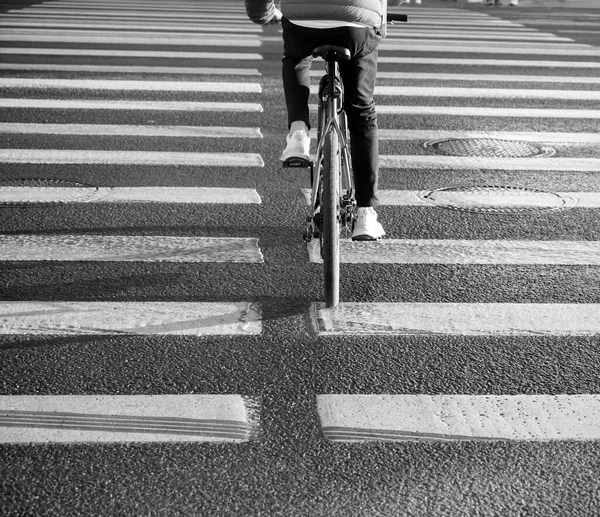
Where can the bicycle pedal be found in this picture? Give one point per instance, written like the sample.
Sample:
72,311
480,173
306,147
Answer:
297,163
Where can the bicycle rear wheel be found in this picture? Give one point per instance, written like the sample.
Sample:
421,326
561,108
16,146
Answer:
330,213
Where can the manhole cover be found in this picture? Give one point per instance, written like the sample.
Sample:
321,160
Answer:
489,148
497,199
22,191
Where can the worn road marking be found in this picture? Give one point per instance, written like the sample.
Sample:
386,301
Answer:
68,318
76,156
250,107
495,78
488,62
487,47
469,200
528,136
116,53
447,251
126,130
466,319
195,29
466,111
123,85
129,248
196,195
507,164
487,93
126,418
130,69
129,39
359,418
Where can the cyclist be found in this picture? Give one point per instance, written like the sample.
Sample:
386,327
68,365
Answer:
358,25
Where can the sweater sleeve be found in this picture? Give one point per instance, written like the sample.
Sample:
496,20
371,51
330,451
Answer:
260,11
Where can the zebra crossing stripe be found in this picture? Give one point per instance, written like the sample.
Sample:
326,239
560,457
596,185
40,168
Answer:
465,319
524,136
487,93
70,318
123,85
77,156
130,69
129,248
517,37
195,195
159,54
127,418
248,107
171,27
506,164
127,130
487,62
424,418
496,78
466,111
548,200
448,251
479,47
130,39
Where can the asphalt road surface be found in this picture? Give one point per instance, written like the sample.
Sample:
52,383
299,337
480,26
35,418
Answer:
163,346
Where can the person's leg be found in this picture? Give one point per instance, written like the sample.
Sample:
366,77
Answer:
297,59
359,76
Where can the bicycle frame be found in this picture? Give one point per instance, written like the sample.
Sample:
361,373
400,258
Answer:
332,198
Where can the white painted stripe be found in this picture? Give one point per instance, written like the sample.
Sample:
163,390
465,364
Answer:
446,251
391,43
167,27
123,85
469,61
162,54
129,248
125,130
481,36
481,93
496,78
466,111
129,69
506,164
195,195
467,319
476,47
126,418
466,199
487,93
359,418
130,105
132,40
77,156
122,12
549,137
129,318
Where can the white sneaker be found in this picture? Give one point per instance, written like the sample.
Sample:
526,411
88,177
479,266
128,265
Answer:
298,147
366,226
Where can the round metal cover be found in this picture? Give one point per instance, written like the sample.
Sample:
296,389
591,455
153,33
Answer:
21,191
489,148
497,199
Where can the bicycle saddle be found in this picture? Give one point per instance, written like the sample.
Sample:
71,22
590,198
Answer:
334,52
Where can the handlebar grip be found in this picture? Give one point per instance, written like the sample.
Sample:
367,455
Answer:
393,17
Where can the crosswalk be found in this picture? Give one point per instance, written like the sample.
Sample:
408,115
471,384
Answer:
502,92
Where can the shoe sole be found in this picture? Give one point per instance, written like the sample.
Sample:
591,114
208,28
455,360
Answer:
365,238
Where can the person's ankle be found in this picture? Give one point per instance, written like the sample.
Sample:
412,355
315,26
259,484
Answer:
298,125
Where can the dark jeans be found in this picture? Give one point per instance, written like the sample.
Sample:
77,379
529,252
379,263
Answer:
358,76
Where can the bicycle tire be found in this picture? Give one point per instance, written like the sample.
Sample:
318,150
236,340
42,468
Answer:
330,212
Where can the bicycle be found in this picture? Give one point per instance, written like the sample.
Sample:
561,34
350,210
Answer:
333,204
